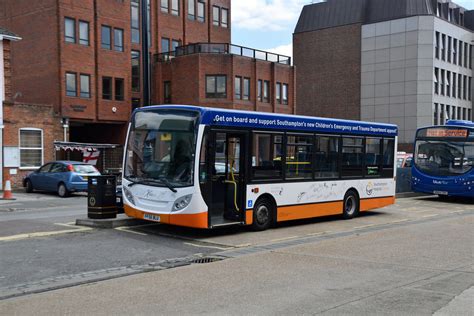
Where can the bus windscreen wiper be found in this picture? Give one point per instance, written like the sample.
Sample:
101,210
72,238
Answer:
153,182
168,184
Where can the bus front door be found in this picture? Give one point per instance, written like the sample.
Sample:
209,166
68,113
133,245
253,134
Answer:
227,176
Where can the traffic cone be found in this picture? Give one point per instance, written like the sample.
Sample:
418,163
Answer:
7,191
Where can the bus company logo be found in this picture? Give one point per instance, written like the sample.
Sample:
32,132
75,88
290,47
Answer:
440,182
369,188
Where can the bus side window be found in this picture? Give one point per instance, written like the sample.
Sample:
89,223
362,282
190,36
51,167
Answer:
326,157
372,156
388,155
267,156
352,156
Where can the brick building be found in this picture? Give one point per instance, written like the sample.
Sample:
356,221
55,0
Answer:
407,62
85,58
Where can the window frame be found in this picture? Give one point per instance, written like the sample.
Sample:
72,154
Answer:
82,41
68,38
278,92
201,19
282,170
120,32
192,8
215,94
119,97
163,40
175,11
104,45
266,96
284,93
136,53
260,90
74,74
164,6
111,82
246,87
85,95
225,13
238,88
214,21
20,148
135,29
167,92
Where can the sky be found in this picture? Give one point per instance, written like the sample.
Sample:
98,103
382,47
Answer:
269,24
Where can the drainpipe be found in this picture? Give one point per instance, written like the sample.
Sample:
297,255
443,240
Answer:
145,53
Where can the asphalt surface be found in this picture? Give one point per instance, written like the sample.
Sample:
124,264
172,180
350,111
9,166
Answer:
379,251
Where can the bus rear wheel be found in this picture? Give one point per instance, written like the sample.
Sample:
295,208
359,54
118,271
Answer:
351,205
262,215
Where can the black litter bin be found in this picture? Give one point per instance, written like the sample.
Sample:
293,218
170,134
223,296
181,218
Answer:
101,198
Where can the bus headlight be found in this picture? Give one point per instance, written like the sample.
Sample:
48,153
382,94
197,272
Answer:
128,195
182,202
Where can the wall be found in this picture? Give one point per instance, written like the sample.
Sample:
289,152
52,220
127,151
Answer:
328,65
2,97
21,115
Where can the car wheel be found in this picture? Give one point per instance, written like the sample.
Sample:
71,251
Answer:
351,205
62,190
29,186
262,215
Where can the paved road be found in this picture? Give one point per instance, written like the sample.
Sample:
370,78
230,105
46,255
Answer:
413,258
41,250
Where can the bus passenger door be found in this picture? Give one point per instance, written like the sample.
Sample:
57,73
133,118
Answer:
227,178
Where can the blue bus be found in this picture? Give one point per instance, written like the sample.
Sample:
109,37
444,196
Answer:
205,167
444,160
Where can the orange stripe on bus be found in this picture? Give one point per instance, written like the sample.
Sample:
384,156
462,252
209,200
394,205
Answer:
249,217
288,213
368,204
198,220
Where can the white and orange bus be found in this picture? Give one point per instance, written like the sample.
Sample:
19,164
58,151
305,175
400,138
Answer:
206,167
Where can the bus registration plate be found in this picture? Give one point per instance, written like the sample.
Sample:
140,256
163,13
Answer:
440,192
151,217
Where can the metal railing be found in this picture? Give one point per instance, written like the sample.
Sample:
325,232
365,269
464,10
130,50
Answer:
222,48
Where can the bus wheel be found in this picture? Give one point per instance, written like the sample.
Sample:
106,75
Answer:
262,214
351,205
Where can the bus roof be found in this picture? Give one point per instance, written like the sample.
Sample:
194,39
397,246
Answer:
262,120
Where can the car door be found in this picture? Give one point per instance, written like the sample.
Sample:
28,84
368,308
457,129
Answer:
55,176
39,177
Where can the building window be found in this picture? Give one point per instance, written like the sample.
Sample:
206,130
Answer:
201,11
465,55
437,45
459,86
448,83
71,87
441,82
216,11
259,90
135,71
449,49
106,88
266,91
464,114
191,9
460,53
225,18
285,94
443,45
442,116
164,6
85,86
175,7
165,45
70,30
238,88
469,87
135,21
118,40
119,89
267,156
464,88
469,117
435,114
278,92
436,81
84,33
455,49
31,147
470,56
216,86
448,112
167,91
246,95
454,76
175,44
106,37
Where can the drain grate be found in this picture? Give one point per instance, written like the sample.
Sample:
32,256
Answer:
207,260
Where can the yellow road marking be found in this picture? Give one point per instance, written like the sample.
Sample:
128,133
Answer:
203,246
128,230
43,234
285,238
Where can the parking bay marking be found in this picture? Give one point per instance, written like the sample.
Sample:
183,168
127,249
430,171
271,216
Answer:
45,234
129,230
211,247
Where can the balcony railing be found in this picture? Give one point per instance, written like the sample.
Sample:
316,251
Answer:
223,48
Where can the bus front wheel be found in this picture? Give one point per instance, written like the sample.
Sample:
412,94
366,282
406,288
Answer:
262,214
351,205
